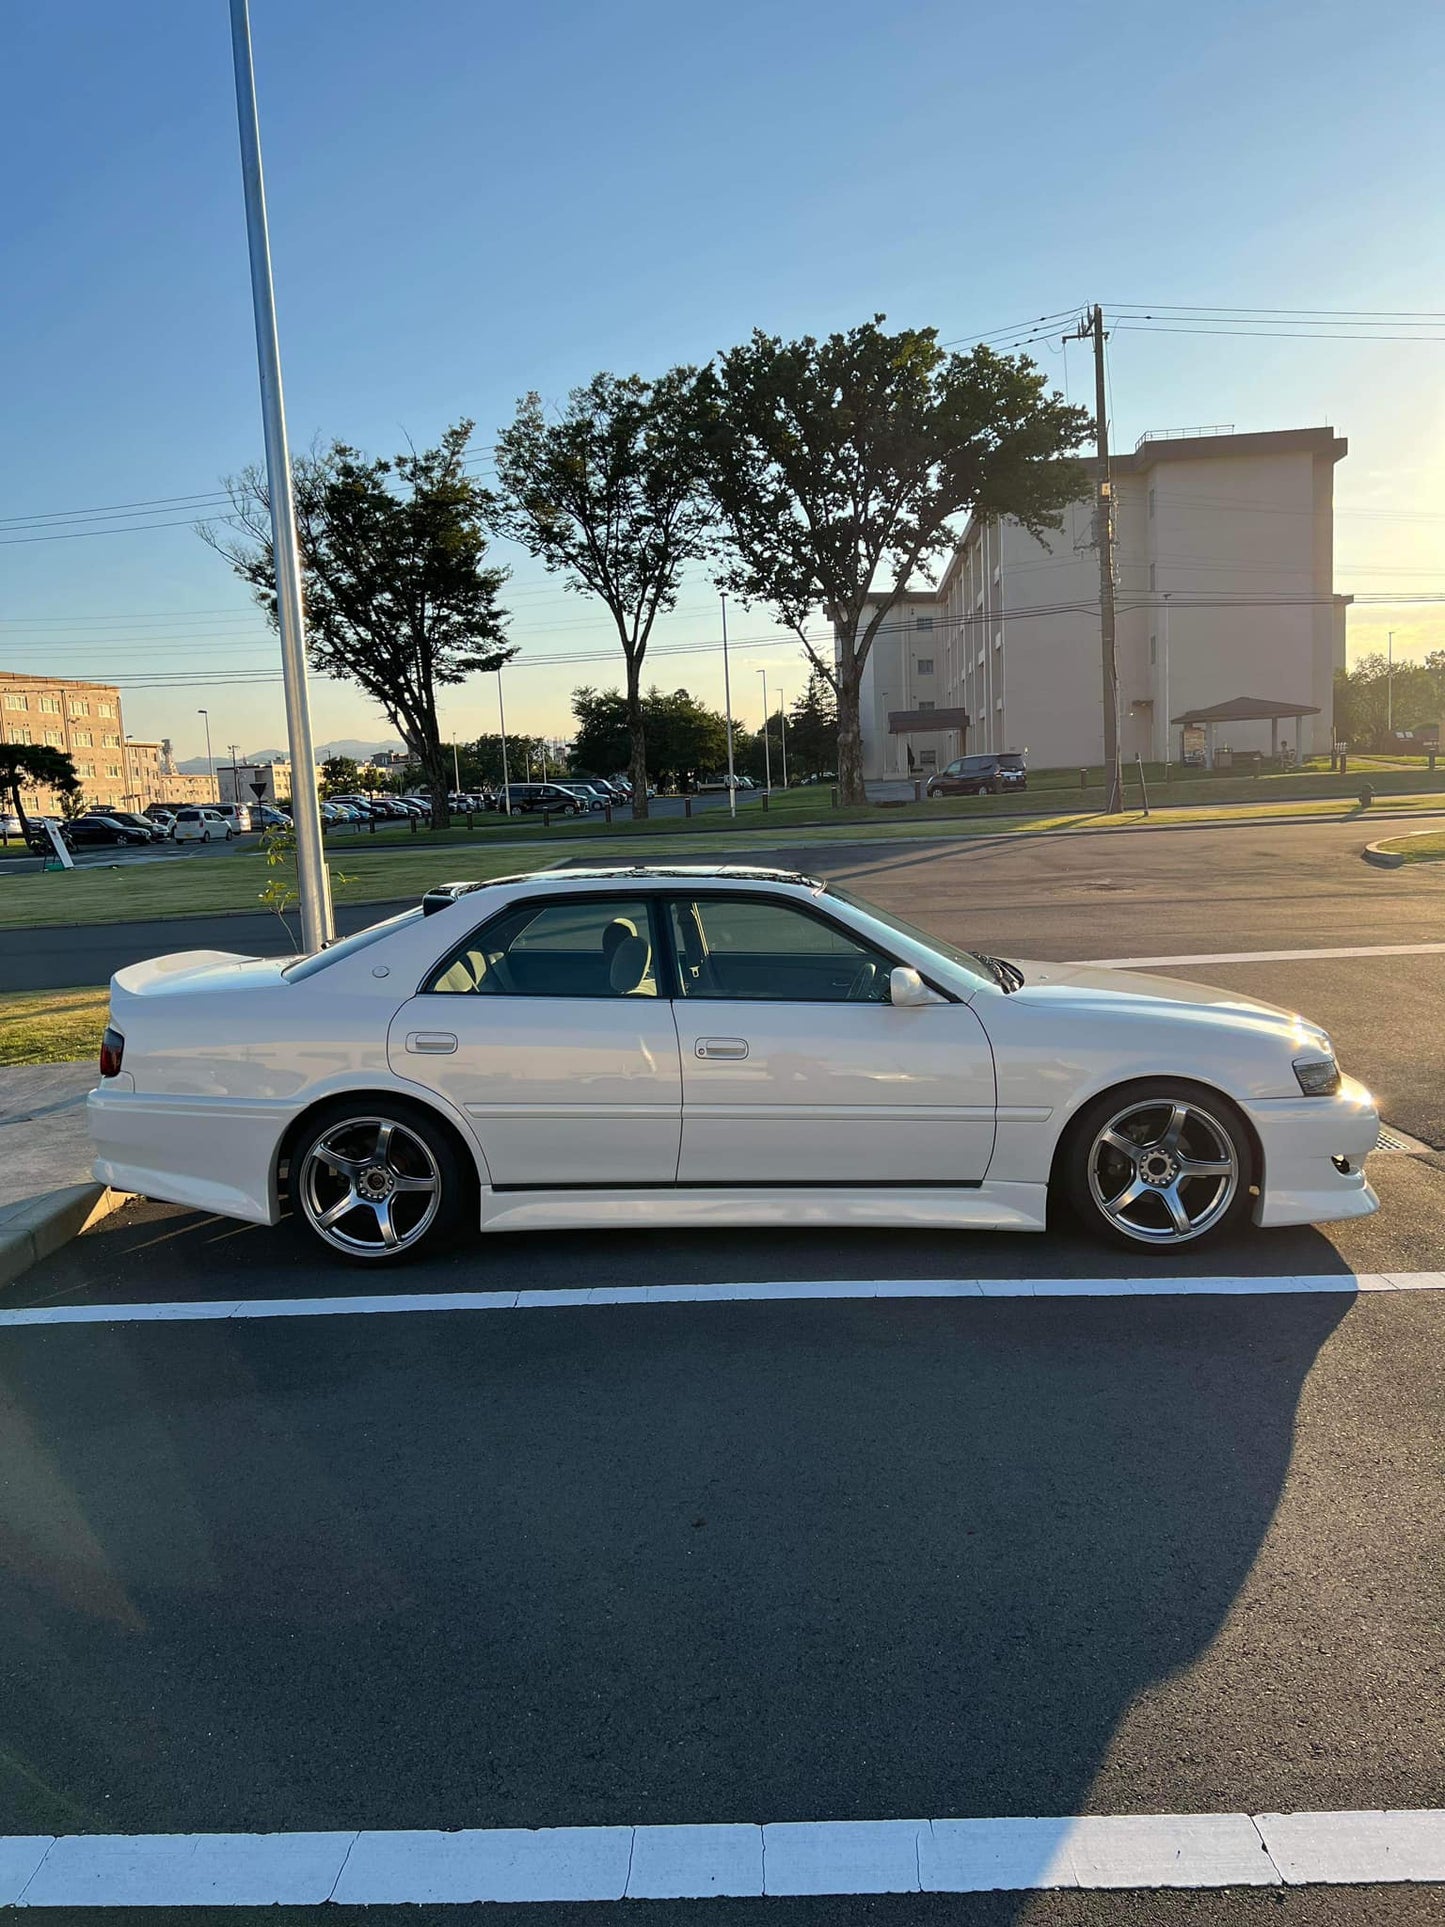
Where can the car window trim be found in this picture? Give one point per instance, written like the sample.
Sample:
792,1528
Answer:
810,909
661,953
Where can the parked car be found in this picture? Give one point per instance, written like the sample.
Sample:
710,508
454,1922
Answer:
788,1054
268,817
161,814
238,815
980,776
136,820
194,825
10,825
533,798
90,831
592,794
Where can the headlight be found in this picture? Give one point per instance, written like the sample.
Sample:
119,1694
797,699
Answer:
1318,1076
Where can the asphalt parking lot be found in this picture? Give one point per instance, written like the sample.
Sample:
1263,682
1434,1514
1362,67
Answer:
759,1560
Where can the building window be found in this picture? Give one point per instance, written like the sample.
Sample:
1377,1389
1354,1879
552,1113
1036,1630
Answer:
105,709
928,758
80,738
85,769
55,738
1153,650
112,769
79,706
923,666
20,733
48,705
1151,502
14,701
923,706
110,741
924,623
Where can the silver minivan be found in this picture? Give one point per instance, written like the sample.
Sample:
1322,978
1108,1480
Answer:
238,815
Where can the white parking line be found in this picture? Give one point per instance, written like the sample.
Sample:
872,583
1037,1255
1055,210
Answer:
556,1864
211,1310
1264,956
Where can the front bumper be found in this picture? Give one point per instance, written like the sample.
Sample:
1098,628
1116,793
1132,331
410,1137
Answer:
1302,1138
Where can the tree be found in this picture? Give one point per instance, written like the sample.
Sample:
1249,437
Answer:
340,775
34,766
1369,700
682,734
399,599
481,761
838,467
607,496
813,730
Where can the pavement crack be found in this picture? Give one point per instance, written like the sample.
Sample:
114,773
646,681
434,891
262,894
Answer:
345,1859
631,1856
19,1900
1264,1849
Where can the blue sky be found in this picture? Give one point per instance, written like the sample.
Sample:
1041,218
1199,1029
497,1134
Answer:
468,201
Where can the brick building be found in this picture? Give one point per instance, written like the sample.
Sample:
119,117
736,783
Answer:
84,720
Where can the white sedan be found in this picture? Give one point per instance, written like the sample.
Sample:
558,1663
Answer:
720,1046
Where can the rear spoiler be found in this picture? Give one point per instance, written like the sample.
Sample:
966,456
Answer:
442,896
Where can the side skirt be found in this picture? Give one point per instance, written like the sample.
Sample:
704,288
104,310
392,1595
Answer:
982,1207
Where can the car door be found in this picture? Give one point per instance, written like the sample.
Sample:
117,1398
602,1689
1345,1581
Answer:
547,1027
796,1069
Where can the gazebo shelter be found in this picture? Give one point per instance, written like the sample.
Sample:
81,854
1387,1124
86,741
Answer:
1246,709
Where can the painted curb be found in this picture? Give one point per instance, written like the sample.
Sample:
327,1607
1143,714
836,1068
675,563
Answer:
36,1227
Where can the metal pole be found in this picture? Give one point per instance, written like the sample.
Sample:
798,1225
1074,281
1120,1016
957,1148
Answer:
1389,682
506,780
767,750
728,706
1104,513
1167,594
210,760
783,735
456,771
313,883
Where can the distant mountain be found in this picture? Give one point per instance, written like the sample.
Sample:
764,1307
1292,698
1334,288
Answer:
343,746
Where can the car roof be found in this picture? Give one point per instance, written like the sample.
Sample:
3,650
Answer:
443,895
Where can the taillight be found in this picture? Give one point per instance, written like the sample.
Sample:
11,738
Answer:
112,1050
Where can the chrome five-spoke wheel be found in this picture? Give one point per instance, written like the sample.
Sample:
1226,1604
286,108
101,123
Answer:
370,1186
1161,1167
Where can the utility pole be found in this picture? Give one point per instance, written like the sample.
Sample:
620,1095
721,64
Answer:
313,881
210,760
783,734
502,713
1389,682
1104,519
728,706
767,750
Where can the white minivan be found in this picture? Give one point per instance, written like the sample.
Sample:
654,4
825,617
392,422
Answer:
201,826
239,815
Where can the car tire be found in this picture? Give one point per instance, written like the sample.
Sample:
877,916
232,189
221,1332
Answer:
230,834
1126,1166
403,1171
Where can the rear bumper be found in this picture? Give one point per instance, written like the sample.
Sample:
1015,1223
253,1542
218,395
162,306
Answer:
214,1154
1301,1138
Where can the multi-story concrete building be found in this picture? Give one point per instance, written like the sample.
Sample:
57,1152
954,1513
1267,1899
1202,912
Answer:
81,718
1224,586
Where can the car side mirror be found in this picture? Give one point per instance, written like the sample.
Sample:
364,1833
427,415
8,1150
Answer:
908,990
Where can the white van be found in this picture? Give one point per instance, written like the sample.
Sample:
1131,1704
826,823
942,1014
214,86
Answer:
201,826
238,815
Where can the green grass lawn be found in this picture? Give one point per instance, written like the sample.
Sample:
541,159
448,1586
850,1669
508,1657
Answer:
1428,847
51,1026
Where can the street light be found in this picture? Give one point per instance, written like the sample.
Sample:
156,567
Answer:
313,881
767,752
502,712
1389,682
728,707
783,735
210,760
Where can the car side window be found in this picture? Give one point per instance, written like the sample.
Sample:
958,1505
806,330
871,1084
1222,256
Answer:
761,949
589,947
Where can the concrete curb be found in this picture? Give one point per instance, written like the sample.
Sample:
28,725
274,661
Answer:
35,1227
1384,859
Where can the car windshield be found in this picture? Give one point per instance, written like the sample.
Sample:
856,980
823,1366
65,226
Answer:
965,960
322,959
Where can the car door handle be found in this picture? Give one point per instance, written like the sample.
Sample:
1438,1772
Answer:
430,1043
731,1047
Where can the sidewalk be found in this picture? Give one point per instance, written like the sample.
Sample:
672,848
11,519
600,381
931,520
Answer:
47,1194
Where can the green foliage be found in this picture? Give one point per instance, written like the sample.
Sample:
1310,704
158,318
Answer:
33,766
813,731
1367,695
606,495
838,468
399,597
481,761
340,776
683,736
278,846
